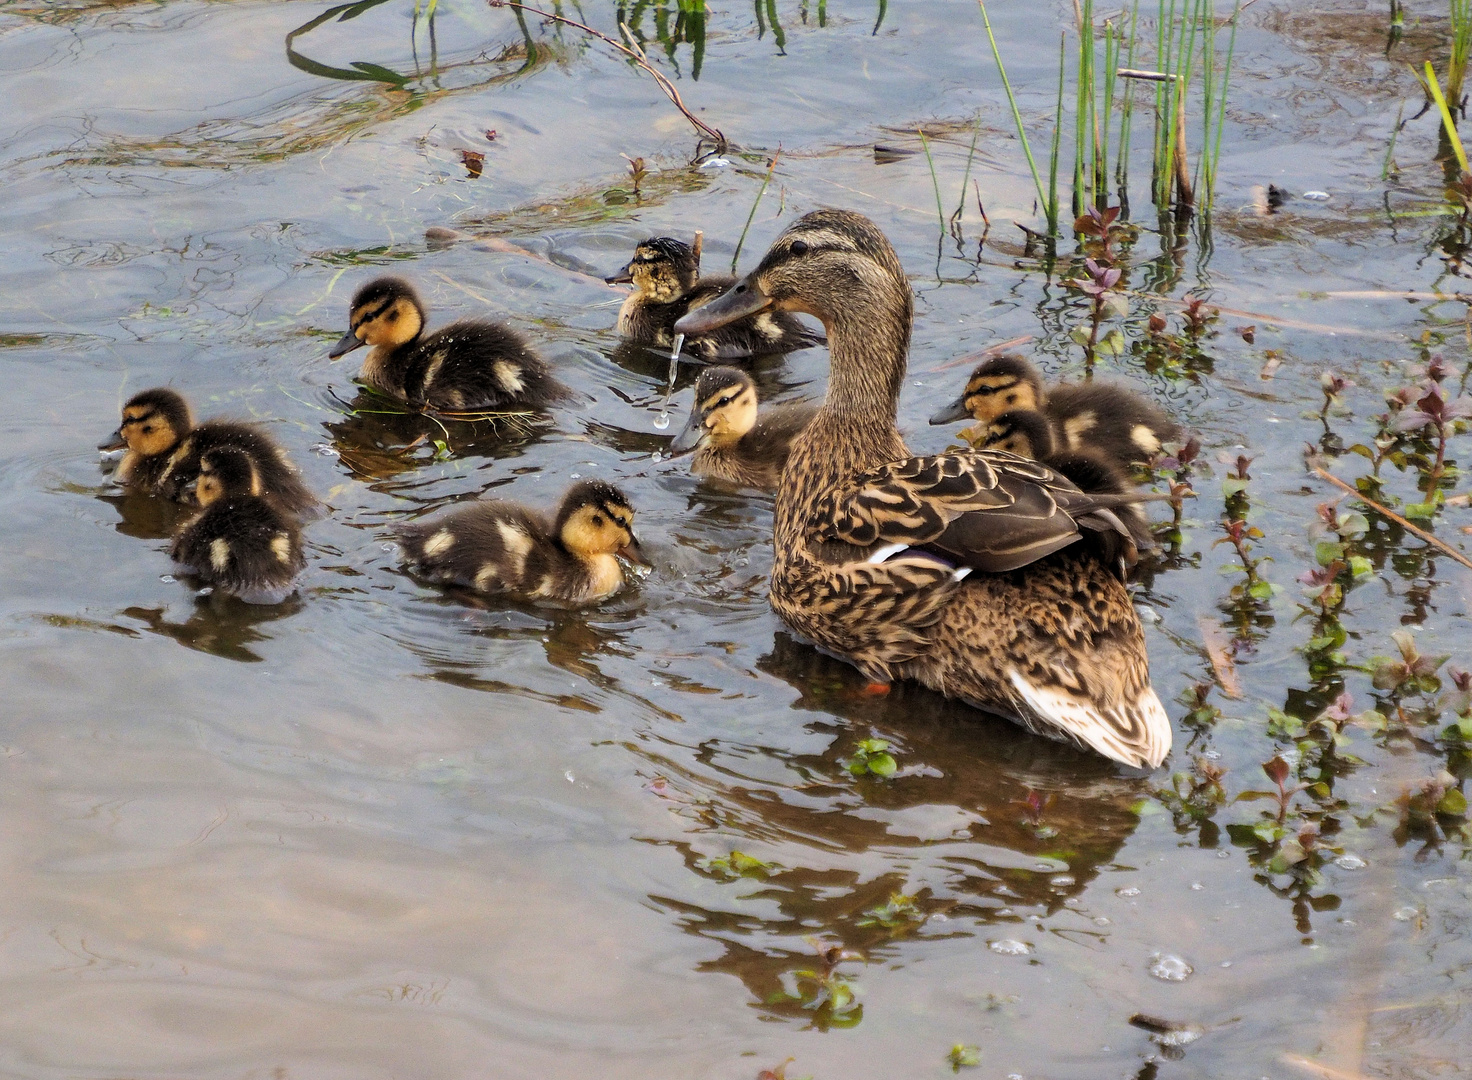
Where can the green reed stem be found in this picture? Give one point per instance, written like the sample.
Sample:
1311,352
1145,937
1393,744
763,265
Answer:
1434,89
934,180
1016,115
1052,204
1390,150
1127,112
751,216
1221,110
966,176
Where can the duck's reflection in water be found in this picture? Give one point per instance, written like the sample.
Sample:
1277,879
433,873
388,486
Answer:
146,517
219,625
826,863
377,439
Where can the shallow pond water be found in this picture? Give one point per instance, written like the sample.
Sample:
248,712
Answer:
377,831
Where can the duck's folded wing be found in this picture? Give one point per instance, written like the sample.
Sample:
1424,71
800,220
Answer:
984,509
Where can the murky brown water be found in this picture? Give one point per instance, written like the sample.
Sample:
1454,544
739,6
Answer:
375,832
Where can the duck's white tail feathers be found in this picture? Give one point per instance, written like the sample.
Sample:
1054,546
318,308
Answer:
1132,732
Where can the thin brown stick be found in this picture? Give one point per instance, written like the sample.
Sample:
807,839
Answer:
1325,474
635,53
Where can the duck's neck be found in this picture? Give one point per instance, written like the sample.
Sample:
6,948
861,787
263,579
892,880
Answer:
869,347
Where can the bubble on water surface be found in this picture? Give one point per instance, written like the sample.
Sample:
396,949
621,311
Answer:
1127,892
1169,968
662,421
1316,196
1350,862
326,450
1009,947
1405,914
167,579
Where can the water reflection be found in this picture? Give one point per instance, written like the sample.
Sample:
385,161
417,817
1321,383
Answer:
220,625
814,871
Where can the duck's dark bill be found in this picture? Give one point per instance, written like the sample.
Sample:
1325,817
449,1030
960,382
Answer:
689,438
623,277
114,441
633,553
345,345
956,410
740,300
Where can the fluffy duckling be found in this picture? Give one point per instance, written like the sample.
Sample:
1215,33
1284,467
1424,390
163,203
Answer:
468,366
164,449
1101,416
242,542
1028,433
502,547
731,440
665,273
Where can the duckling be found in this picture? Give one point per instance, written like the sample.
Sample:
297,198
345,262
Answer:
242,542
730,439
1027,433
164,448
468,366
1101,416
967,572
502,547
665,273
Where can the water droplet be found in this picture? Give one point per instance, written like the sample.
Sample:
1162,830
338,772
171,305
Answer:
1170,968
1127,892
656,457
1223,854
571,779
1196,886
1147,614
1350,862
661,421
1226,963
1316,196
326,450
1405,914
575,476
167,579
1103,920
1061,881
1009,947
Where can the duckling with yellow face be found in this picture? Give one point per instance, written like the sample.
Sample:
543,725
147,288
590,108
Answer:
468,366
163,448
1029,434
665,273
1102,416
732,440
502,548
242,542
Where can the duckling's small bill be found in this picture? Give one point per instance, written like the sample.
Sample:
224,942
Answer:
346,344
953,412
691,434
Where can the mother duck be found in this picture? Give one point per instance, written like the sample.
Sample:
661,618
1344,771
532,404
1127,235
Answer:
975,573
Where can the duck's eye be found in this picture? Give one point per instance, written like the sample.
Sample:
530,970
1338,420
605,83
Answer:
799,247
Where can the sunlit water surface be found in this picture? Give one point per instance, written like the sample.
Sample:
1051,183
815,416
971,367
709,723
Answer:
379,832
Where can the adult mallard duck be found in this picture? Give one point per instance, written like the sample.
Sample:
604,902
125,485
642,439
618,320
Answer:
469,366
164,449
500,547
968,572
665,273
1100,416
731,439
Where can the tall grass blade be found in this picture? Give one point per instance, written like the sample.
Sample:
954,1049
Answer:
934,180
736,255
1016,115
1434,89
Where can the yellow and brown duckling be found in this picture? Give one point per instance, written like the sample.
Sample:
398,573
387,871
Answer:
503,548
242,542
1028,433
968,572
163,449
470,366
732,440
1101,416
665,273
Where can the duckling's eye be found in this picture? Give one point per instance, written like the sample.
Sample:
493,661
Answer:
725,401
799,247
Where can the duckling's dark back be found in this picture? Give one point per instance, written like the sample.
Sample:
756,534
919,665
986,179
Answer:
474,366
244,545
278,476
456,548
1111,419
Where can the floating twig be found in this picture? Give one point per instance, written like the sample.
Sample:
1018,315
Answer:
1442,545
635,53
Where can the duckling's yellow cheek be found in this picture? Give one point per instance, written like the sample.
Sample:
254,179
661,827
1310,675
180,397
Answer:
220,554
